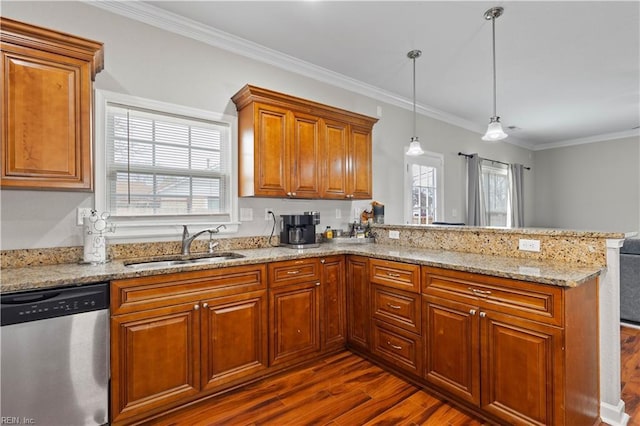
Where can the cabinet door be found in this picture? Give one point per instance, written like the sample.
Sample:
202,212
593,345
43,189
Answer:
271,160
360,163
305,156
233,337
358,302
452,347
46,127
294,322
519,363
155,359
335,167
333,302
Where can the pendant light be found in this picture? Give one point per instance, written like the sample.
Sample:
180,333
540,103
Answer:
494,131
414,146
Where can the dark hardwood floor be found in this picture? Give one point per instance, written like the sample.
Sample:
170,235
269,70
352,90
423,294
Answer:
346,390
630,348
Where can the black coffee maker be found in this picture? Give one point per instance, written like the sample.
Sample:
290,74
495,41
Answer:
299,230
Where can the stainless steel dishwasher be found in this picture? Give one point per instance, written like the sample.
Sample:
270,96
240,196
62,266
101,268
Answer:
54,356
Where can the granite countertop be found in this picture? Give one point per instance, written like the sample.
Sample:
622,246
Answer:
544,272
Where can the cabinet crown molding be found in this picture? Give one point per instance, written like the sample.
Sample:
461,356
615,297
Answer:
52,41
250,93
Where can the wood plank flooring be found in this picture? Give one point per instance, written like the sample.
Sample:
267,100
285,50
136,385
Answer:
346,390
630,364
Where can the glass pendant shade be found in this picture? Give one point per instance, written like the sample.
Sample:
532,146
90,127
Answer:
414,147
494,131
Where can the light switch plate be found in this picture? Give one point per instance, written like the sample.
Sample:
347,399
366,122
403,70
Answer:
246,214
81,212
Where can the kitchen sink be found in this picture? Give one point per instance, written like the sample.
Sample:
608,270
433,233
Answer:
165,262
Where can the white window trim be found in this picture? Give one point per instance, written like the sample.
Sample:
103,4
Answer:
130,229
432,159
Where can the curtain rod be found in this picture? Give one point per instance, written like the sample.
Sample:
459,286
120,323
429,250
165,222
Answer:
488,159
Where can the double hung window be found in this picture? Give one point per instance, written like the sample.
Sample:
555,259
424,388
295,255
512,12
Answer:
163,163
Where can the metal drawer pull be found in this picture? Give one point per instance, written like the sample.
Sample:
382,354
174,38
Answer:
205,305
196,307
391,274
483,314
480,292
293,272
393,306
317,283
394,346
472,312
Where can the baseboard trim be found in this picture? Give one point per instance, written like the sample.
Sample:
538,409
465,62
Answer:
614,415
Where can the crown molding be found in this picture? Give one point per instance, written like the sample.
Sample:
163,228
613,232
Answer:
589,139
177,24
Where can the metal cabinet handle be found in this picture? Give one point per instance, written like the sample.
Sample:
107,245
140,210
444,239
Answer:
482,293
393,306
394,275
317,283
472,312
293,193
205,305
483,314
322,261
394,346
293,272
196,307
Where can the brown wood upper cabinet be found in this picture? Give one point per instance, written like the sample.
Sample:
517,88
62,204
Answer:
296,148
46,107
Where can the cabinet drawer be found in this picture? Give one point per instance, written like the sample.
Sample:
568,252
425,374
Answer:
538,302
293,271
155,291
395,274
398,346
396,307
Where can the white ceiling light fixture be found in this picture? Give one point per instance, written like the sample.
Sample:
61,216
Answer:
494,131
414,146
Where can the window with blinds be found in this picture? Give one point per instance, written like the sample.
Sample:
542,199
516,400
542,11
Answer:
160,164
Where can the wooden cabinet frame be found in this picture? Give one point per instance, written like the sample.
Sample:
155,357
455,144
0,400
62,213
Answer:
296,148
46,97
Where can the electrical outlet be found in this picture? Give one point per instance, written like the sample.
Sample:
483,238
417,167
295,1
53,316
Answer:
529,245
338,214
395,235
267,215
81,212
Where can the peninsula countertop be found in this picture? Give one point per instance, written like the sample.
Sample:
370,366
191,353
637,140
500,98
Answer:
538,271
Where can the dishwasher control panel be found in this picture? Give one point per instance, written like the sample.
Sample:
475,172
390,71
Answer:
50,303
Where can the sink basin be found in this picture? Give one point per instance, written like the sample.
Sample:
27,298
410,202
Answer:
165,262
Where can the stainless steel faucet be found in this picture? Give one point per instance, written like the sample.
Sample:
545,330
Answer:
188,239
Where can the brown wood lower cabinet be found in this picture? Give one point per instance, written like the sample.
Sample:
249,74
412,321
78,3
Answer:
514,352
521,352
177,337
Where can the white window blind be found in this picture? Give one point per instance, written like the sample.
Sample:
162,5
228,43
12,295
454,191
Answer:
160,164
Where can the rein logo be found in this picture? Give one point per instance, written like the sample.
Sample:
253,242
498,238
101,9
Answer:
8,420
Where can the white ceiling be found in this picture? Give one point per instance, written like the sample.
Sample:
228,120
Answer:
568,72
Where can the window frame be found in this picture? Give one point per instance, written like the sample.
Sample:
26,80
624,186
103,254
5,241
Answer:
129,228
428,159
496,168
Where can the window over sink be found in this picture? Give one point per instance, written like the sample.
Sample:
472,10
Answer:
162,165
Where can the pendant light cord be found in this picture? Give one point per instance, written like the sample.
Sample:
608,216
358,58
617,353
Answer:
493,30
414,99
